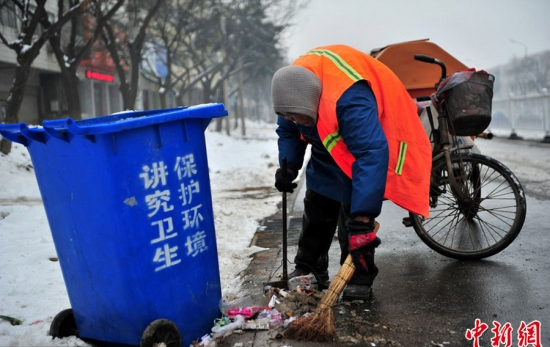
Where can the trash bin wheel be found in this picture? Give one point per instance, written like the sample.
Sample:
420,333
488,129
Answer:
64,324
161,331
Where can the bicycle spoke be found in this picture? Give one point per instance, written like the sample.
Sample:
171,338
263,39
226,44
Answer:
483,222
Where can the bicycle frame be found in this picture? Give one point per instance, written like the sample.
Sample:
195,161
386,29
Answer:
443,148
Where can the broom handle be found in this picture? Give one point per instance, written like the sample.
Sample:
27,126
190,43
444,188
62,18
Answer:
340,280
338,284
285,232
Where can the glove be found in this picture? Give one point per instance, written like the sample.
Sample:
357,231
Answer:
284,184
362,242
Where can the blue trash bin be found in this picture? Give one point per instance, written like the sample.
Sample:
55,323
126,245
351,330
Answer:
128,201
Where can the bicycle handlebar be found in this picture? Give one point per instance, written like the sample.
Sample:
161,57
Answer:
431,60
424,58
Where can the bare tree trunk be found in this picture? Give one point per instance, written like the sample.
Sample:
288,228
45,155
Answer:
69,80
73,97
15,99
135,58
165,87
129,89
237,116
226,102
241,100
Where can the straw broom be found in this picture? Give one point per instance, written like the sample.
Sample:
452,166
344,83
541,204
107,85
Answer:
319,326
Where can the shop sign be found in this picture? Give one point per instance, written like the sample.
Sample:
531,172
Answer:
94,75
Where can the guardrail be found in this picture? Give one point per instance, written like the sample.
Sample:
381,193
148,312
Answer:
528,114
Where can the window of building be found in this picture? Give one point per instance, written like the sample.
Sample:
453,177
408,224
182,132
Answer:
85,89
171,99
155,100
100,102
114,99
8,16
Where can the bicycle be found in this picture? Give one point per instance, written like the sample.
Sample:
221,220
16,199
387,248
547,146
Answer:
477,204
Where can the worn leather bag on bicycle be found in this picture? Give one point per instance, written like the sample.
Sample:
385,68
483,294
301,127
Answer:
467,98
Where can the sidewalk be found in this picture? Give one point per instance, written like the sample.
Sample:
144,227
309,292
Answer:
352,327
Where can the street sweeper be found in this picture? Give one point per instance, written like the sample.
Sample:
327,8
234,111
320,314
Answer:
367,145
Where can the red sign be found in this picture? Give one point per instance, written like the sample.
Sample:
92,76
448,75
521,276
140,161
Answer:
94,75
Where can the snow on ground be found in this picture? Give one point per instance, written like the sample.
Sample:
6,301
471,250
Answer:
32,289
242,172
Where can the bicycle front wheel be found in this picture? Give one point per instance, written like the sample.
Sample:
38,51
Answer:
484,223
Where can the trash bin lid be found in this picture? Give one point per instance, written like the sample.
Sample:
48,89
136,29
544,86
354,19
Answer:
116,122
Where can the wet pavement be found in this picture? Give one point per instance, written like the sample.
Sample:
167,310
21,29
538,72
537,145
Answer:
421,298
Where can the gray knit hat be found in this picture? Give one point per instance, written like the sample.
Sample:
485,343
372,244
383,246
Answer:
295,89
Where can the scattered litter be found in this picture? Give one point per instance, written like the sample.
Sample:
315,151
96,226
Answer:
219,322
256,325
226,330
13,321
273,301
283,293
230,300
246,312
205,340
309,282
276,310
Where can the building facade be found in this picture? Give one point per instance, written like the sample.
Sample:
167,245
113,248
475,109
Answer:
45,96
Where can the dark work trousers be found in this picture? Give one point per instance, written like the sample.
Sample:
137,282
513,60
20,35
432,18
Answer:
322,216
319,224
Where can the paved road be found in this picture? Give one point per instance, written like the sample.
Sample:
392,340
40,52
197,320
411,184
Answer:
421,298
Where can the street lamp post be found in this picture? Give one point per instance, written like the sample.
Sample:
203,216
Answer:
522,44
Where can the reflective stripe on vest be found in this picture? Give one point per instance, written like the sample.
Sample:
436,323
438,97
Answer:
331,140
339,62
401,158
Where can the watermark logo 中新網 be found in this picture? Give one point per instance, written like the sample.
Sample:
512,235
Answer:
528,334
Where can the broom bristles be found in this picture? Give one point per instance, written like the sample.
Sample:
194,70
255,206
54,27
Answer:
319,326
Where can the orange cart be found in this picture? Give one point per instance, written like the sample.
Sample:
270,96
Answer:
417,77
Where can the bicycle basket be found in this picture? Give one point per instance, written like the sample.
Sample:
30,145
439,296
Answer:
469,104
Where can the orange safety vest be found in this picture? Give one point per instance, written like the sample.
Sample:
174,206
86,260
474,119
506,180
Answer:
410,157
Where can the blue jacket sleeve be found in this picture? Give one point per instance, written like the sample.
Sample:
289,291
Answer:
362,132
290,144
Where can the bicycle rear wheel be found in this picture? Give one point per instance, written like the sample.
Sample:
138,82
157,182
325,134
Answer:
481,225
